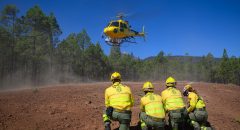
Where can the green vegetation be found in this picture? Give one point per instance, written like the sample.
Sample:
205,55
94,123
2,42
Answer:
30,52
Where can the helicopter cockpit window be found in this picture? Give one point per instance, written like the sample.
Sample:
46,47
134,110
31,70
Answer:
115,24
123,25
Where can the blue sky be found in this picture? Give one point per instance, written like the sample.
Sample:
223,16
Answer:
176,27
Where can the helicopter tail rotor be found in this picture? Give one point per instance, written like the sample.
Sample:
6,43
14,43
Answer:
144,36
143,33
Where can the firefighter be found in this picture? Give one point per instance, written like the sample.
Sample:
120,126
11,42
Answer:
196,110
152,112
118,102
174,105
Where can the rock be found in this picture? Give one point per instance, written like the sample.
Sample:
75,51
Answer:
52,112
67,125
88,102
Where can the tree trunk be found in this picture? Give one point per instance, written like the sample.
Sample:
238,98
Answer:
34,67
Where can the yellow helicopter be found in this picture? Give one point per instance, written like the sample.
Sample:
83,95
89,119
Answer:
119,31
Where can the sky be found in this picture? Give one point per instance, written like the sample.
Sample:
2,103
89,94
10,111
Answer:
176,27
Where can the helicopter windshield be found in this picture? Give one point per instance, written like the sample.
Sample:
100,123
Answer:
115,24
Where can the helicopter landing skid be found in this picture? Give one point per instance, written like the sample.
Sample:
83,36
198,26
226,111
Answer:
118,42
113,42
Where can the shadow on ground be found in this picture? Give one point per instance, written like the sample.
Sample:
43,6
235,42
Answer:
137,127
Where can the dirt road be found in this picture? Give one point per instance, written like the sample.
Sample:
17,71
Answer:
80,106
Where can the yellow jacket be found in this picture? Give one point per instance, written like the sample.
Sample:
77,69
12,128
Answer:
172,99
119,97
152,104
194,101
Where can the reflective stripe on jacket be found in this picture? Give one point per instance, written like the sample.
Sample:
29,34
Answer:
119,97
172,99
152,104
194,101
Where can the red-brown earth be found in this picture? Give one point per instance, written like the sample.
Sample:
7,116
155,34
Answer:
80,106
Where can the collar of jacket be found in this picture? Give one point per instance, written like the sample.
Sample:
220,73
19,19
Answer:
171,87
148,93
115,84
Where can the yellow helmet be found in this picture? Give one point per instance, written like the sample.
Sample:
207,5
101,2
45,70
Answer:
115,75
147,86
187,87
170,82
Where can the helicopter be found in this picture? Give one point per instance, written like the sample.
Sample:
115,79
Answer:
119,31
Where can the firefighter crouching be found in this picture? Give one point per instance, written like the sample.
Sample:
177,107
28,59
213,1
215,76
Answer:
174,105
118,102
152,112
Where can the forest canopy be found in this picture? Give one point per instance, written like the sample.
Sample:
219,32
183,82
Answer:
31,53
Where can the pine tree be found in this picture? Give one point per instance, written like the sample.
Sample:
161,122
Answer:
8,22
224,70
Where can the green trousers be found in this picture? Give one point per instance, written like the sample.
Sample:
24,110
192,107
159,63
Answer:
148,122
177,119
123,118
198,119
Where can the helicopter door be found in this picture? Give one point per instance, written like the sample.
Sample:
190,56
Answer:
123,27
